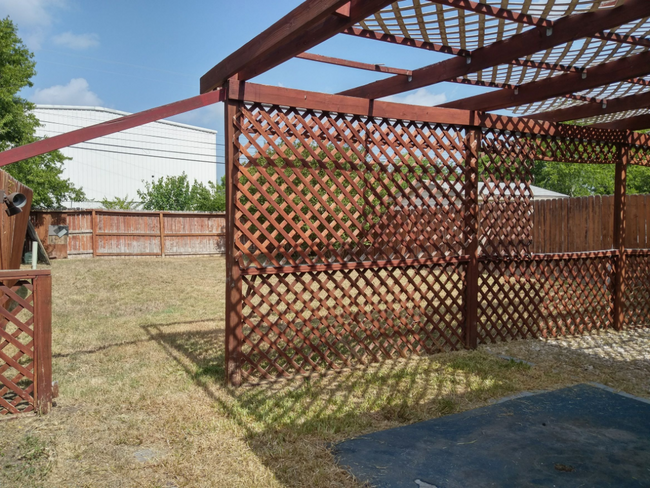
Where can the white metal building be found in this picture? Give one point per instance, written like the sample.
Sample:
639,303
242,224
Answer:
116,165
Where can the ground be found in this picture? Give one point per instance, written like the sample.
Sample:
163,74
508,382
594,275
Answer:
138,354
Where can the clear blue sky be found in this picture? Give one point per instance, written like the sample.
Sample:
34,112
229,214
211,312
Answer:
132,55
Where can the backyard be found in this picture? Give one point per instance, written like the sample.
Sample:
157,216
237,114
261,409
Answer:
138,355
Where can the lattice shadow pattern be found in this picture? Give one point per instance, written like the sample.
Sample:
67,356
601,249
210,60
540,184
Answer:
17,348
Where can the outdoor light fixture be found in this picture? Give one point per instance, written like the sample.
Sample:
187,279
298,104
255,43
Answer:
14,202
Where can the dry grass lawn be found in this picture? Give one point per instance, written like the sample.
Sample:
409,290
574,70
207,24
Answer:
138,354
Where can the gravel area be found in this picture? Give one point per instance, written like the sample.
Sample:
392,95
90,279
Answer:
620,360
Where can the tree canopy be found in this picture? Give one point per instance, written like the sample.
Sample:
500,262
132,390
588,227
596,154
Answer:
176,193
43,174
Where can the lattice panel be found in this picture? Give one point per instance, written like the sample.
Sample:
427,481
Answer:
549,298
17,348
316,187
576,150
506,172
640,155
637,291
327,320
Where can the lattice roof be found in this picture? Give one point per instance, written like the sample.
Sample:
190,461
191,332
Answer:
466,29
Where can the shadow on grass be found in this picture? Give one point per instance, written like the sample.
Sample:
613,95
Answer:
280,416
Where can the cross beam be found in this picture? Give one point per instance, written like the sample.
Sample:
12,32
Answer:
557,86
565,29
640,122
309,24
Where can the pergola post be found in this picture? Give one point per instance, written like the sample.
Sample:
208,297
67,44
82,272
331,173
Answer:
234,296
619,234
472,224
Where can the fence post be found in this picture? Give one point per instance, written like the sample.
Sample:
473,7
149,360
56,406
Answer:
234,296
43,343
620,201
162,235
94,231
472,227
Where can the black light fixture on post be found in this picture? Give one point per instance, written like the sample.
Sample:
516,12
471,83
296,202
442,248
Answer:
14,202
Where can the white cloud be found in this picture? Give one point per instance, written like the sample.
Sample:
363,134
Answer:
32,17
420,97
210,117
76,41
77,92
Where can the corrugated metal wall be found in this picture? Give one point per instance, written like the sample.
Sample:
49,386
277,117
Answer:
115,165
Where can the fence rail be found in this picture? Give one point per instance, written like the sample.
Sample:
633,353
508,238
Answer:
25,341
99,233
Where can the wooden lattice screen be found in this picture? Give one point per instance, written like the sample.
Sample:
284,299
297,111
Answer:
358,238
25,341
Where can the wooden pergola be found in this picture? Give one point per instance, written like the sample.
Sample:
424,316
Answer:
334,254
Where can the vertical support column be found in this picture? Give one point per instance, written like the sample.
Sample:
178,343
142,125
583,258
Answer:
94,232
43,343
162,235
234,322
472,225
620,201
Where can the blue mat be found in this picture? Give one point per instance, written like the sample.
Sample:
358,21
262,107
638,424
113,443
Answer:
582,436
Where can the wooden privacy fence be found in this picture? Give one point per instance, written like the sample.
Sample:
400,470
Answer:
25,341
357,238
587,224
98,233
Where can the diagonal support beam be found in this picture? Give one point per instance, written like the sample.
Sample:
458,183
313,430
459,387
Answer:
579,112
110,127
557,86
306,26
640,122
537,39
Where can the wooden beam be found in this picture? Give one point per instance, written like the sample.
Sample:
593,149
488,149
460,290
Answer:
566,29
275,95
110,127
283,50
292,25
614,105
557,86
623,39
405,41
354,64
640,122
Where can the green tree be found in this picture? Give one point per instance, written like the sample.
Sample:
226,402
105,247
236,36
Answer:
120,204
176,193
43,174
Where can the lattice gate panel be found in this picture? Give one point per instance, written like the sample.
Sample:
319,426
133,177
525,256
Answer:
351,235
637,290
545,297
17,348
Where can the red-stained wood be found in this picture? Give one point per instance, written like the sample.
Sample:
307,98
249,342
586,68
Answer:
284,31
604,74
404,41
472,225
105,128
619,237
234,287
306,37
565,29
95,236
43,342
499,13
380,68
